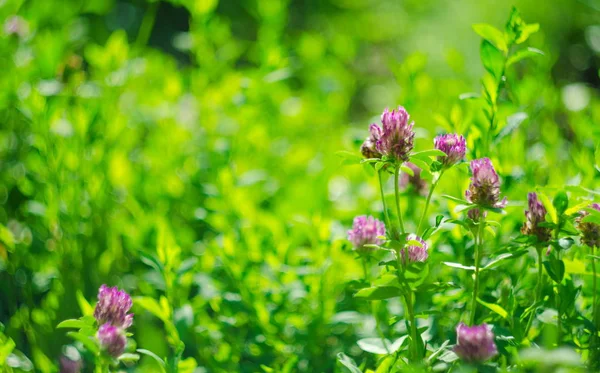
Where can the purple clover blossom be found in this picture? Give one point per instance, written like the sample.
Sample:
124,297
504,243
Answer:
590,232
475,344
365,231
70,366
415,253
485,185
112,307
476,214
112,339
453,145
534,216
396,136
419,184
369,147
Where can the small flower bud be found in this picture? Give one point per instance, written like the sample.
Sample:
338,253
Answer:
112,307
453,145
415,253
485,185
590,232
475,344
112,339
534,216
365,230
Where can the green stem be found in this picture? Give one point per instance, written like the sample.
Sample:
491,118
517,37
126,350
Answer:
147,25
557,298
539,287
385,211
427,202
397,193
595,287
413,326
367,274
478,244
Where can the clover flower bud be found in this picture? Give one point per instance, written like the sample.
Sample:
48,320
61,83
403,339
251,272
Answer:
534,216
365,231
484,189
396,134
415,253
112,307
453,145
112,339
475,344
590,232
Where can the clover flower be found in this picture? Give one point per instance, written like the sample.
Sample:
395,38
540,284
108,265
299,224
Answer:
415,253
534,216
485,185
396,136
112,307
475,344
70,366
590,232
453,145
112,339
369,147
365,231
418,183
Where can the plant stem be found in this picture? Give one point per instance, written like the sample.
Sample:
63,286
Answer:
478,244
147,25
397,193
594,287
365,261
539,287
431,189
407,293
557,298
385,211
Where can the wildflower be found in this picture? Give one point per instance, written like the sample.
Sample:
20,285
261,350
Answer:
396,137
485,185
112,307
112,339
419,184
590,232
415,253
365,231
453,145
369,147
534,216
475,344
70,366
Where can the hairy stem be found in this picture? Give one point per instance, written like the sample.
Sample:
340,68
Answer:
478,244
427,202
385,211
397,193
539,287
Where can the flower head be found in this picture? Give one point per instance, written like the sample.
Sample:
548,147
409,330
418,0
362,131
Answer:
419,184
485,185
415,253
475,343
396,136
113,306
534,216
369,147
365,230
112,339
453,145
70,366
590,232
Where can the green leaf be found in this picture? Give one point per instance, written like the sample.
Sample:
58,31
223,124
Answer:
129,358
87,341
437,352
407,170
349,158
512,123
523,54
460,266
468,96
494,307
497,260
84,305
561,202
597,157
5,350
492,59
428,153
72,323
378,293
7,237
160,361
491,34
374,345
457,200
555,269
347,362
152,306
517,31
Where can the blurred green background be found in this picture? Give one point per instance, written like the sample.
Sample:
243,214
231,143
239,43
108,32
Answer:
213,126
